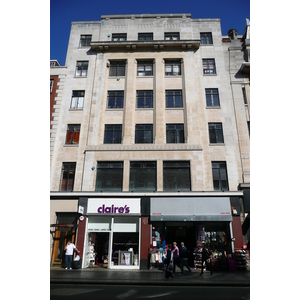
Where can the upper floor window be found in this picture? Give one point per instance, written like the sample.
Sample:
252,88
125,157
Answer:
175,133
212,98
109,176
143,133
67,176
219,172
145,68
81,68
73,133
117,68
172,36
244,95
176,176
206,38
215,133
85,40
51,85
115,99
209,66
113,134
119,37
77,99
174,99
142,176
172,67
145,36
144,99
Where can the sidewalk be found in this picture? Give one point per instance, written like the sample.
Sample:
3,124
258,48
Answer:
100,275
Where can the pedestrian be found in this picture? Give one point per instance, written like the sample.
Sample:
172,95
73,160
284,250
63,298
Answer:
169,259
206,258
70,247
176,259
184,256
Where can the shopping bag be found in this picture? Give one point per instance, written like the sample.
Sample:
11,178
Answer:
170,267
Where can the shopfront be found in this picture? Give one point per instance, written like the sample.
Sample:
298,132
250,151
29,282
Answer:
112,233
193,221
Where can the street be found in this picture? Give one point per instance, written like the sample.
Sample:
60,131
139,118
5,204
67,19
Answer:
99,291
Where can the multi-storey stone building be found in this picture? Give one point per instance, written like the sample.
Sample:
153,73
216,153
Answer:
152,142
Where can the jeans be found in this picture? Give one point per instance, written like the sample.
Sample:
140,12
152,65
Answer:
68,259
184,262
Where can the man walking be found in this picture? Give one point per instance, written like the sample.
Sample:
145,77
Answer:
184,255
70,247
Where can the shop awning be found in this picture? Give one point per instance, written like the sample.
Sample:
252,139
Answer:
190,209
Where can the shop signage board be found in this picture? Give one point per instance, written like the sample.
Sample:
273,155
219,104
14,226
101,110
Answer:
114,206
190,209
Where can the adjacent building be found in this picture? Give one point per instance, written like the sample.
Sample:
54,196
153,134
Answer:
152,139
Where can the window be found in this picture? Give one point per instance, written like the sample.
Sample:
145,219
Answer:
212,98
206,38
176,176
209,66
119,37
51,85
172,67
117,68
219,172
215,133
73,133
144,99
81,68
143,133
77,99
145,36
175,133
174,99
85,40
142,176
113,134
244,95
67,176
109,176
145,68
171,36
115,99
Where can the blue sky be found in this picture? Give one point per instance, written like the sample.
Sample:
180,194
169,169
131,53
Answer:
62,12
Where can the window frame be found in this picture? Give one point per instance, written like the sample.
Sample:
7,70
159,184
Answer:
68,168
144,96
144,64
73,134
79,69
212,97
220,168
178,132
137,175
145,36
142,131
171,94
215,131
77,99
85,40
178,169
172,64
118,37
172,36
209,66
117,68
115,96
206,38
110,175
116,132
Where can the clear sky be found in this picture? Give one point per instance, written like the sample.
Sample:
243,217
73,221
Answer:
232,13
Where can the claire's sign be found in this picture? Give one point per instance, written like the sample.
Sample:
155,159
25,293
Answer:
114,206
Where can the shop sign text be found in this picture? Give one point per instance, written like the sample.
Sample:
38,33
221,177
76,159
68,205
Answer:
113,209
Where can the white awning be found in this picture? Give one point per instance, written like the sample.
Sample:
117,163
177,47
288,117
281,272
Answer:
190,209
